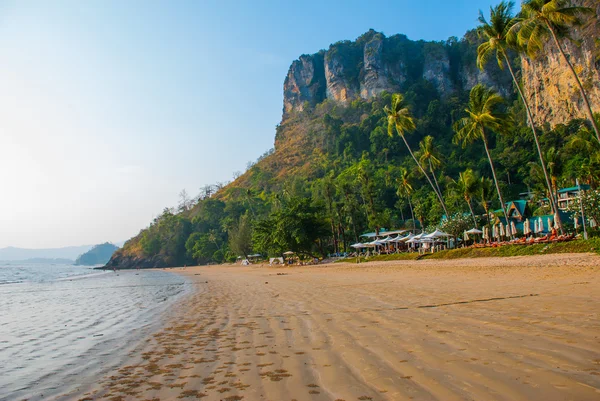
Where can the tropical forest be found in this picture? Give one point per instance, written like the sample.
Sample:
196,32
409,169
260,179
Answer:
386,133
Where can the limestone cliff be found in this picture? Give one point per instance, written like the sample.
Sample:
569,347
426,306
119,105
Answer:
549,85
374,63
305,82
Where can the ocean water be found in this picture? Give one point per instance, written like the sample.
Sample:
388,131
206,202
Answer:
63,326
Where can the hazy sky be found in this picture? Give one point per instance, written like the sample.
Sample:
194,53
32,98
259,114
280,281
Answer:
109,108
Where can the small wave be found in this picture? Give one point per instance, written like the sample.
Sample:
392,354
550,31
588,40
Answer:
10,281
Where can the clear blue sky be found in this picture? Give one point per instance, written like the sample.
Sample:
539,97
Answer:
109,108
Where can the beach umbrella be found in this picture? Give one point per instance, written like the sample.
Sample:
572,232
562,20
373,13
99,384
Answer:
527,227
474,231
576,222
437,234
549,223
501,232
513,228
540,224
485,233
556,221
495,231
536,227
466,236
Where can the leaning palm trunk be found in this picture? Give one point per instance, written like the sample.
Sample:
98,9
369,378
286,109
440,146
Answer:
412,214
586,101
537,144
434,178
487,152
439,196
471,209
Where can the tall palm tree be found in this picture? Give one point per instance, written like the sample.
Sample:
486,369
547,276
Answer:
482,115
554,166
496,33
364,175
429,155
467,186
543,18
486,193
405,189
584,143
400,119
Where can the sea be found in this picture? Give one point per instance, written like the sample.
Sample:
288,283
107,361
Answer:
63,326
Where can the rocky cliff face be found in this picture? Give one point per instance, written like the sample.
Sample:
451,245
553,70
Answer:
305,82
375,76
373,63
549,85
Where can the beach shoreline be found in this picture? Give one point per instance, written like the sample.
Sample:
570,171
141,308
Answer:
518,328
58,335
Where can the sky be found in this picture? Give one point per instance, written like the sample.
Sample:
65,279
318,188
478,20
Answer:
109,108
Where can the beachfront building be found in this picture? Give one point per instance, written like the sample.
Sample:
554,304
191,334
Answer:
517,210
566,196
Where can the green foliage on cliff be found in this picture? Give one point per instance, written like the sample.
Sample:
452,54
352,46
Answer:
336,171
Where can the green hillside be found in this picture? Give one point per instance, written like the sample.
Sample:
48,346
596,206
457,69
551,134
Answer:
339,168
99,254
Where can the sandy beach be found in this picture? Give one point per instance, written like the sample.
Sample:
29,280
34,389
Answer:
523,328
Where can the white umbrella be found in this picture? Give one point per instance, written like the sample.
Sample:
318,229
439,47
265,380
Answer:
501,232
495,231
474,231
404,239
513,228
540,225
358,245
437,234
486,234
466,236
576,222
526,227
549,223
556,221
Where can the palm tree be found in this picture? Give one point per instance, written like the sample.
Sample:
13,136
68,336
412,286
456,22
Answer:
543,18
405,189
399,118
496,33
429,154
554,165
486,193
584,142
467,186
482,115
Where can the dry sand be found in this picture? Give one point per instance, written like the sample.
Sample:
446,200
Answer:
522,328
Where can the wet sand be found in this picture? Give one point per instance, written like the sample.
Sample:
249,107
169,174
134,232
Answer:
523,328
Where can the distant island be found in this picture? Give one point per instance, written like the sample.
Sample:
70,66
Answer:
98,255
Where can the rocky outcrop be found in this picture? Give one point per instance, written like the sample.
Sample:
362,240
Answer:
436,68
550,87
373,64
128,260
339,86
375,77
305,82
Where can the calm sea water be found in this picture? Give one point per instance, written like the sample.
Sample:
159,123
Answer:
62,326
